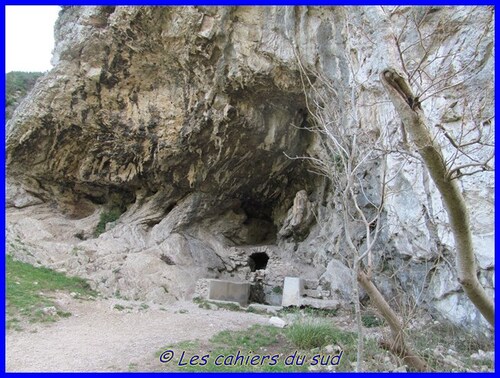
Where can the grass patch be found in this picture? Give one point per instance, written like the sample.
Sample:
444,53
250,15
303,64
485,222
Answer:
29,289
254,310
202,303
370,321
13,324
255,342
255,337
228,306
317,333
316,338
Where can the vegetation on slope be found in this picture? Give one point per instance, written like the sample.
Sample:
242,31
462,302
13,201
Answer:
30,293
18,84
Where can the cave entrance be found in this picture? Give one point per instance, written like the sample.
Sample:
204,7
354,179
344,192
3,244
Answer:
258,260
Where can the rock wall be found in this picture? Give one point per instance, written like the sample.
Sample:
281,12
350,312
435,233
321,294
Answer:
193,121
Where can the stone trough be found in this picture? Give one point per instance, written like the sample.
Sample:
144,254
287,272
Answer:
228,291
294,293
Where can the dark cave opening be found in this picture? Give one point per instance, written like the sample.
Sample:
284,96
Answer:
258,260
258,228
257,209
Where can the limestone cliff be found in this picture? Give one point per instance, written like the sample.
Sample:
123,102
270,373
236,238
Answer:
190,120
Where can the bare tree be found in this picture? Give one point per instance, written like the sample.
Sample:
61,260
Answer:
414,120
431,71
349,153
349,148
434,71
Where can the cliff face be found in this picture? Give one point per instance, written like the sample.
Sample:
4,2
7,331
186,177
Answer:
163,100
190,119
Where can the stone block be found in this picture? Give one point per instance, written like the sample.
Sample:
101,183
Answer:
324,304
221,290
262,307
292,291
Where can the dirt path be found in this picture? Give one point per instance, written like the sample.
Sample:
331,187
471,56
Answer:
99,337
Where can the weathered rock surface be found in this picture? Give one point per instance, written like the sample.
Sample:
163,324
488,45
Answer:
189,120
299,218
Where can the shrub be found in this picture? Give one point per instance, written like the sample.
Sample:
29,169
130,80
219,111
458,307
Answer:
105,218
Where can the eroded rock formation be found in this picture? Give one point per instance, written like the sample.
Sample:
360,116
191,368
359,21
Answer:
192,121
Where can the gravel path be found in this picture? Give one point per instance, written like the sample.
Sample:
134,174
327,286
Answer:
99,337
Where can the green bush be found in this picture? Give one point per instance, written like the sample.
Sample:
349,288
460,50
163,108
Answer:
308,334
106,217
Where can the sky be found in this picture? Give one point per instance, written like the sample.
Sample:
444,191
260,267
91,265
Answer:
29,37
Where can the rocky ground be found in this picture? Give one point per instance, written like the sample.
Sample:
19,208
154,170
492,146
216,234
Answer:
113,335
119,335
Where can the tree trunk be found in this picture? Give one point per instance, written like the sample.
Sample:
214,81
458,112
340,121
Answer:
398,345
413,119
